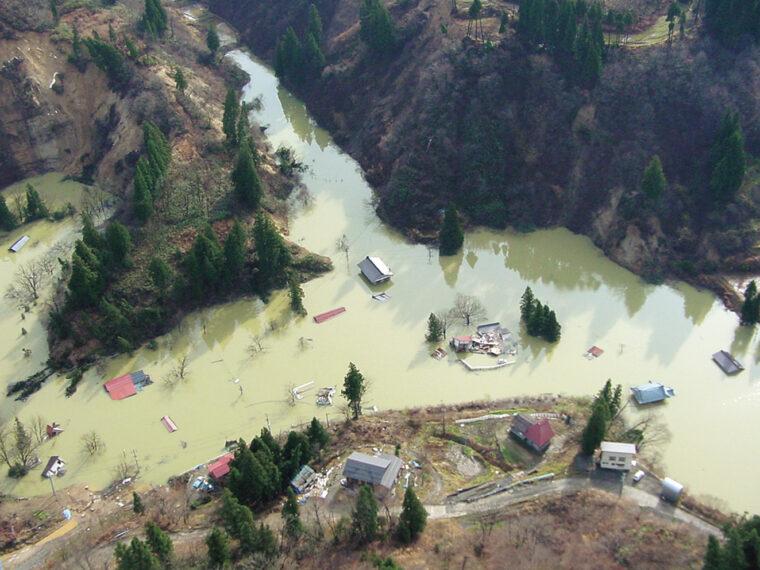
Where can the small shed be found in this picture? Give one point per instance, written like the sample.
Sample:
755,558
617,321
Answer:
221,466
536,434
651,393
727,362
18,244
380,471
461,343
616,456
54,466
375,270
671,490
303,480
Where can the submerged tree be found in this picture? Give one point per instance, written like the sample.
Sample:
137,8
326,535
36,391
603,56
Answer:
295,293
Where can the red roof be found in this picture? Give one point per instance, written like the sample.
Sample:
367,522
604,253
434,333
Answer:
540,433
121,387
463,338
220,467
329,314
595,351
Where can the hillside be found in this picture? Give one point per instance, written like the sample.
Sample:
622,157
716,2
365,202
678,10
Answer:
514,137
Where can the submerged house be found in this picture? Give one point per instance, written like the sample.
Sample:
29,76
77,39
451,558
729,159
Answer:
651,393
54,467
461,343
727,362
536,434
375,270
127,385
380,471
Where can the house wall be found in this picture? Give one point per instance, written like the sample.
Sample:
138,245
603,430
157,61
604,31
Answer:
615,460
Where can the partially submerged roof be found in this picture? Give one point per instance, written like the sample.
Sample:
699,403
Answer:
373,469
18,244
615,447
490,327
540,433
595,351
221,466
374,269
54,464
321,318
727,362
652,392
121,387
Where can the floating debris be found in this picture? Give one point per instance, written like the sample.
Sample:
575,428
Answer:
438,353
727,362
500,363
324,396
169,424
302,388
382,297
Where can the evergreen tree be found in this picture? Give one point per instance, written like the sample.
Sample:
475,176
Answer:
750,311
90,235
212,39
86,281
159,543
733,22
137,506
315,25
235,251
318,436
365,515
119,242
653,183
132,51
76,57
114,325
244,131
313,60
413,517
713,556
154,19
179,80
593,433
451,236
218,548
264,542
245,180
353,389
295,293
204,264
526,304
728,160
237,518
291,514
35,208
376,29
157,151
142,200
109,60
272,255
289,57
159,273
136,556
552,329
230,116
8,220
503,23
435,329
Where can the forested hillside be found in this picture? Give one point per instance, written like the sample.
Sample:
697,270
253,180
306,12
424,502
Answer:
539,115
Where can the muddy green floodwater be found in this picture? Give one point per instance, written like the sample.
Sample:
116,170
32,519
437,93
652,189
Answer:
664,333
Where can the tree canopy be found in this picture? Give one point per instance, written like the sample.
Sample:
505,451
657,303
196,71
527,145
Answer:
353,389
451,236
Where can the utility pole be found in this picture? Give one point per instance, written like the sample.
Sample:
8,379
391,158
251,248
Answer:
327,417
52,485
269,426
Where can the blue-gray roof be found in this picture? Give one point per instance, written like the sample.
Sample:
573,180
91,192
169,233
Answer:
652,392
303,479
727,362
375,270
373,469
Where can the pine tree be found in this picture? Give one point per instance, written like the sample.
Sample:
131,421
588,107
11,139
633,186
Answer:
315,24
653,183
8,220
365,515
83,289
90,235
142,201
136,556
246,182
159,543
593,433
728,159
236,517
212,39
353,389
291,514
137,506
244,131
76,57
290,64
159,273
204,263
230,116
154,20
35,208
119,242
750,311
109,60
132,51
451,236
435,329
376,29
218,548
313,60
235,250
413,517
318,436
295,293
526,304
179,80
272,255
713,555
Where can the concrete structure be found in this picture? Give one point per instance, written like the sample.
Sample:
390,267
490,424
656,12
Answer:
651,393
380,471
727,362
375,270
617,456
536,434
671,490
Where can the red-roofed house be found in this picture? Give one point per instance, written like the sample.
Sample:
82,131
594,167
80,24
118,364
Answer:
221,466
537,434
121,387
461,343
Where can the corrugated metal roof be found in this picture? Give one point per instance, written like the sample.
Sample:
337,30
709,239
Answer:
121,387
375,470
303,479
374,269
727,362
651,393
540,433
221,467
615,447
18,244
520,424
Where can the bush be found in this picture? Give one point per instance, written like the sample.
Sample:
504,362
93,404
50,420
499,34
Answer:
17,471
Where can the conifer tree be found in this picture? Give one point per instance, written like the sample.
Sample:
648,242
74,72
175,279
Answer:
272,255
313,59
750,311
230,116
159,273
315,25
218,548
653,183
413,517
713,555
132,51
295,293
246,182
154,19
204,263
593,433
136,556
234,254
435,329
179,80
526,304
376,29
318,436
35,208
365,515
244,131
212,39
291,514
137,506
90,235
159,543
353,389
728,160
236,516
451,236
8,220
119,242
142,201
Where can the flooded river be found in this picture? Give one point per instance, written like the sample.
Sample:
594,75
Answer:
664,333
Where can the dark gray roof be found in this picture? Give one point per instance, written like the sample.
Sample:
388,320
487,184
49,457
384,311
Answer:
652,392
490,327
374,269
373,469
520,424
727,362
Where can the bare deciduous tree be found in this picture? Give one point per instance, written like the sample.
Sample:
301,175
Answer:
30,278
444,317
181,370
467,309
93,444
256,345
6,452
39,429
